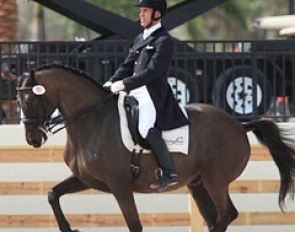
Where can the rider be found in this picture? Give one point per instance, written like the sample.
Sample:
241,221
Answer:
144,75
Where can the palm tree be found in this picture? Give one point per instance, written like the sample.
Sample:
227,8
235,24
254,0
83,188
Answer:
38,27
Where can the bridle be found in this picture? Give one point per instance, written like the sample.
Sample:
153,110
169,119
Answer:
44,121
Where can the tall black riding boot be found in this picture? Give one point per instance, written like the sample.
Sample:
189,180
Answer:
164,160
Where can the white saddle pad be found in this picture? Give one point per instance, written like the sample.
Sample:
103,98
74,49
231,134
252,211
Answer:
177,139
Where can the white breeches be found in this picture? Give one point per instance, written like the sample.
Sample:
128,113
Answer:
147,110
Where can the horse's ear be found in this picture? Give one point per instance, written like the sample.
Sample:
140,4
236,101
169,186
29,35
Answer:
32,76
19,81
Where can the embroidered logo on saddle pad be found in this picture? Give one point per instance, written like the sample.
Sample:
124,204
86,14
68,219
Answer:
176,139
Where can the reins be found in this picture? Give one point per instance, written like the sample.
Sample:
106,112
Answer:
46,122
52,123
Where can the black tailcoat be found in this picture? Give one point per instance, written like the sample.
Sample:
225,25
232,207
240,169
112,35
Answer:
147,64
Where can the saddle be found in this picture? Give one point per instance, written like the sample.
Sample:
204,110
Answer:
132,113
177,140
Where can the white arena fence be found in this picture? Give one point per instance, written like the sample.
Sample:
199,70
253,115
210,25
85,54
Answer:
26,174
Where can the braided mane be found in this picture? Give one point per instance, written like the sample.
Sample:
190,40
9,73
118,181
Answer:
68,68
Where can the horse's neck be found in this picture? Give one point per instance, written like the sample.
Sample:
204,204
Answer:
80,101
98,117
75,94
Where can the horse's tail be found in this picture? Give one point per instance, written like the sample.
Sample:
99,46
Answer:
269,134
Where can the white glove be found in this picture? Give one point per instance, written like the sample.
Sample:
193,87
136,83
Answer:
107,84
117,86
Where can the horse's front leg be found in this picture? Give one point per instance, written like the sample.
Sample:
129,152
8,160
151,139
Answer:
124,195
69,185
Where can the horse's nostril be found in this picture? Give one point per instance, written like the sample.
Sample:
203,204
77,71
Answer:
34,143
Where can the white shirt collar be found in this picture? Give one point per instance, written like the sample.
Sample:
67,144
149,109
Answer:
148,31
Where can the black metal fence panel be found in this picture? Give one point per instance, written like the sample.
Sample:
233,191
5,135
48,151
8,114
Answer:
248,79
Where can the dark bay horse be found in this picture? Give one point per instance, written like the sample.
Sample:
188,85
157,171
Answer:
218,150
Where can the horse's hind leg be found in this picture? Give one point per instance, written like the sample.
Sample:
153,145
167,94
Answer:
70,185
232,209
204,202
224,207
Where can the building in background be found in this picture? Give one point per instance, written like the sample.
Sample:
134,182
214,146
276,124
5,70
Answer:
8,20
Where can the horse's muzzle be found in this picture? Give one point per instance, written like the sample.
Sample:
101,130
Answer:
36,139
34,143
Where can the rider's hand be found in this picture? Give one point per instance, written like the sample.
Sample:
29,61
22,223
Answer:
117,86
107,85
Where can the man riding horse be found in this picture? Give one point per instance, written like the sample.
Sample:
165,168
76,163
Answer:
143,75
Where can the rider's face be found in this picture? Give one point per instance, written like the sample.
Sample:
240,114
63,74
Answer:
145,15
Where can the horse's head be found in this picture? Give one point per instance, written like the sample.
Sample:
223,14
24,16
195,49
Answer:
31,97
